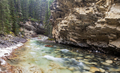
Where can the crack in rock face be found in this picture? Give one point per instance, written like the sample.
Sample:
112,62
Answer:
87,23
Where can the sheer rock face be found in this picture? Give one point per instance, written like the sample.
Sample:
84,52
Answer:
87,23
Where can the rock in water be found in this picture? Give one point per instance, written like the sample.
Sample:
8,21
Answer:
48,45
71,68
77,72
94,69
109,61
102,70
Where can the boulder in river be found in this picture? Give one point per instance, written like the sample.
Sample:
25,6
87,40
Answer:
48,45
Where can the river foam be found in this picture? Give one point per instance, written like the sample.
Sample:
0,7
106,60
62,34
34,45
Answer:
53,58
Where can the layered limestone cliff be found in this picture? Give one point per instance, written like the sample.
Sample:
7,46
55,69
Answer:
87,23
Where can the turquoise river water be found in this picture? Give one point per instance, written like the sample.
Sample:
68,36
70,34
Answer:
34,57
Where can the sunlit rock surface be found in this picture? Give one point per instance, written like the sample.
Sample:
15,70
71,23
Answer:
87,23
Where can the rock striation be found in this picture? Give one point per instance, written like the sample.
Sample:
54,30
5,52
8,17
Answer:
87,23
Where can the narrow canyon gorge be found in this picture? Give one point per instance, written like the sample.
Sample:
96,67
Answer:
59,36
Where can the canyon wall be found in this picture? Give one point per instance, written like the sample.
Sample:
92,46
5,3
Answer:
87,23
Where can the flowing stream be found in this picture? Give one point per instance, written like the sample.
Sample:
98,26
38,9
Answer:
36,57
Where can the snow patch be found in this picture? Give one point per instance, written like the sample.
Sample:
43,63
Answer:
7,51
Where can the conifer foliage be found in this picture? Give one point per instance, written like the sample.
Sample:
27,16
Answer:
12,12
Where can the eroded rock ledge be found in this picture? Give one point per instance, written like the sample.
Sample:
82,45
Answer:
87,23
30,28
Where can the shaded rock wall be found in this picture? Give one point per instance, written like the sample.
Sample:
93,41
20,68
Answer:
31,28
87,23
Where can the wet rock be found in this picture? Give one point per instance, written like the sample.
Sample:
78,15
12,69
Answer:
62,55
56,51
58,56
6,54
97,72
115,70
35,69
86,67
87,72
86,60
104,63
93,63
89,57
66,57
3,68
79,58
48,45
80,55
94,69
109,61
71,68
77,72
102,70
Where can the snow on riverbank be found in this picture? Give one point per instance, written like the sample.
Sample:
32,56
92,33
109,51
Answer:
7,51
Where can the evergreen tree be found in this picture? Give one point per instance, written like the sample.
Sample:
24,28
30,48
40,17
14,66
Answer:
19,8
4,17
48,25
14,11
14,16
25,8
